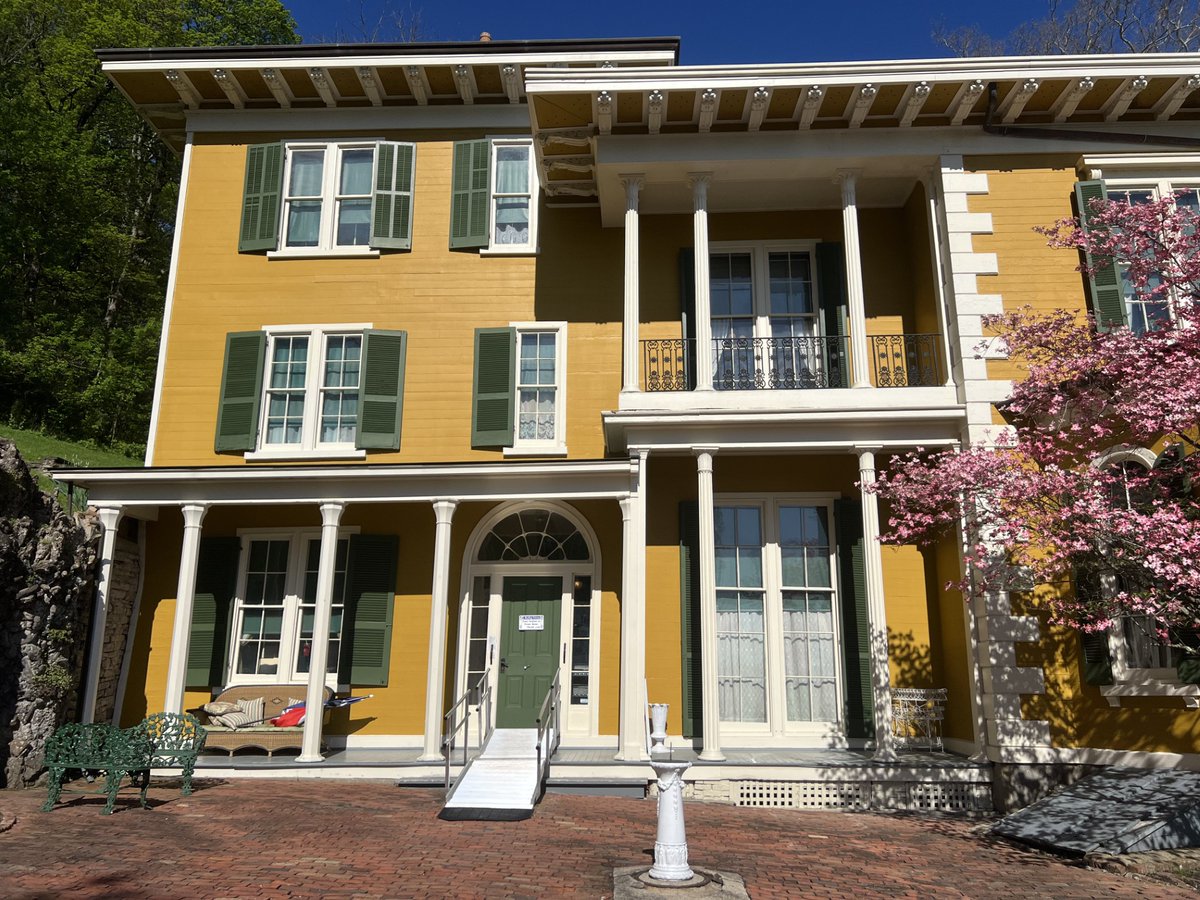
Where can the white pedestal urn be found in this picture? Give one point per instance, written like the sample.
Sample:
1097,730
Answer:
670,846
658,726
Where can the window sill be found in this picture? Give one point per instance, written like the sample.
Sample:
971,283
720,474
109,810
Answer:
303,455
1189,692
318,253
535,451
503,251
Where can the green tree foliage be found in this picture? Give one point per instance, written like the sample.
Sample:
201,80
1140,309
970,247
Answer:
87,207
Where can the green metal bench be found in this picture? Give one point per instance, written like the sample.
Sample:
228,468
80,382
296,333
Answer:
176,740
98,747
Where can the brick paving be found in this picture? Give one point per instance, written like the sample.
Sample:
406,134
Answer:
357,839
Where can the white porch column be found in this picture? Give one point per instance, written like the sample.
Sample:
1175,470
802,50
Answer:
711,708
185,597
110,517
318,652
632,741
860,373
704,345
629,333
939,271
435,680
876,609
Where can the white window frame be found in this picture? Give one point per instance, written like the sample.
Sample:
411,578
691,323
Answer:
533,447
760,276
289,641
778,730
310,446
1130,681
496,249
327,232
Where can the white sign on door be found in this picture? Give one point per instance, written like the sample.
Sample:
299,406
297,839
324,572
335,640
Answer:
531,623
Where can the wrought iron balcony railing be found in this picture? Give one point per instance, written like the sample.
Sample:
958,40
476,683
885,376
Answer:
794,363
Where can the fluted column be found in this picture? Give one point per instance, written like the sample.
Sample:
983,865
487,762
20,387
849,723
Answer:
876,609
704,343
110,517
939,270
711,707
435,679
185,598
860,373
629,333
318,651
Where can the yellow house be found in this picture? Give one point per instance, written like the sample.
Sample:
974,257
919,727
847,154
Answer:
498,370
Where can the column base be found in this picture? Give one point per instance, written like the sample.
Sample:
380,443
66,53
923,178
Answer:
885,754
310,758
712,756
431,757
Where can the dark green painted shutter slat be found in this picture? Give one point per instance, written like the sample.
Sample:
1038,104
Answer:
216,584
856,635
831,281
261,195
689,617
241,390
687,311
469,194
392,199
1108,300
1097,661
370,596
492,405
381,390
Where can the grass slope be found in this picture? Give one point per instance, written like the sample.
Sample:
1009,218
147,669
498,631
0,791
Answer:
35,446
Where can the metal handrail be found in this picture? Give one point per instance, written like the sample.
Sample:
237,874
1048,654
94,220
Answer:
549,734
481,695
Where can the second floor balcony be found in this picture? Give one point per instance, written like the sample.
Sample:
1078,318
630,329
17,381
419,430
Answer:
803,362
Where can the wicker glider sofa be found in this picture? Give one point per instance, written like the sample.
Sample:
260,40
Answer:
261,735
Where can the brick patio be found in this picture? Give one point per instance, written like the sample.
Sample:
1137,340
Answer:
369,839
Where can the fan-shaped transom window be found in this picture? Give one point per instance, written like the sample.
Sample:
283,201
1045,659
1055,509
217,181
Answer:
532,535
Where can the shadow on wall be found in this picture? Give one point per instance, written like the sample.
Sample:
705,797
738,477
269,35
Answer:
911,661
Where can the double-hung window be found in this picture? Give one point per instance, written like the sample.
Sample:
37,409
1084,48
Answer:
765,322
327,198
519,401
311,390
494,196
777,649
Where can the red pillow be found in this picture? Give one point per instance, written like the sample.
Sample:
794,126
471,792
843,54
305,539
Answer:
289,717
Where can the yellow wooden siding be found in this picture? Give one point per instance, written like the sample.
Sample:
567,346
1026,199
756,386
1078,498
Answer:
437,295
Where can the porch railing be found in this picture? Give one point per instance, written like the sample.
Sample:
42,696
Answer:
458,718
793,363
549,734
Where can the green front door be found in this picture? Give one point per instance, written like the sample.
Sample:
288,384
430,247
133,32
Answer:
529,641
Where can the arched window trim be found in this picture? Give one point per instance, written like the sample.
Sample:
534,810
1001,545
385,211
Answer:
529,544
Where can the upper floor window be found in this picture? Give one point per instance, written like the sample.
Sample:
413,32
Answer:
494,196
519,400
306,198
311,390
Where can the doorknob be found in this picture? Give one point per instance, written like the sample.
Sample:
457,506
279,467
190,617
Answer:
503,664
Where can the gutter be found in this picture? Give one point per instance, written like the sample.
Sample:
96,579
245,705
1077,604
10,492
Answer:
1105,137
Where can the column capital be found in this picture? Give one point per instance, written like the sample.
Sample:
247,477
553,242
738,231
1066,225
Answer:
704,457
331,512
193,514
109,516
699,182
632,184
443,511
627,504
847,176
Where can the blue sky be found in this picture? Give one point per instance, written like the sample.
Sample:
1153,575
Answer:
712,32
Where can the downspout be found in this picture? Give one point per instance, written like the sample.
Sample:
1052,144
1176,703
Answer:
1107,137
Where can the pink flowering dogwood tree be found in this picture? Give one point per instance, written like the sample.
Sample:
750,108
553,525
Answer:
1092,486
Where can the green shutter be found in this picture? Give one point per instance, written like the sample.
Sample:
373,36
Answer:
689,618
831,283
469,195
392,200
261,196
687,311
856,634
1189,664
1097,661
492,408
1108,300
381,390
370,596
241,390
216,584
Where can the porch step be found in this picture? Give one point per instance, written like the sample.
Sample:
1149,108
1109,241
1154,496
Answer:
499,784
